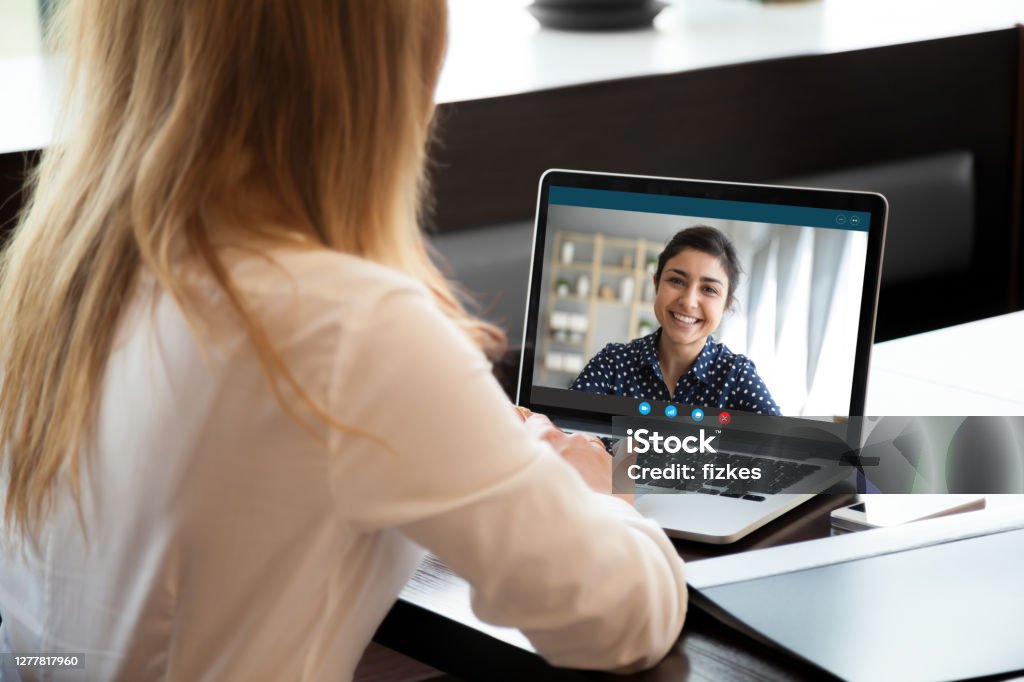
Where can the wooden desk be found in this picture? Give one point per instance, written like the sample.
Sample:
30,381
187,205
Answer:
448,637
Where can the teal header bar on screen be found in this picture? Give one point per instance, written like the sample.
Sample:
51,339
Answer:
710,208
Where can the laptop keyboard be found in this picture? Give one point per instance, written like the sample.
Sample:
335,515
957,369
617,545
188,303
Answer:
776,475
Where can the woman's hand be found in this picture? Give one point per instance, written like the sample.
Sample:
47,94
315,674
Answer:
586,454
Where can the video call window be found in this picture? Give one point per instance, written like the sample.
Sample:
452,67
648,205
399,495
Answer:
790,331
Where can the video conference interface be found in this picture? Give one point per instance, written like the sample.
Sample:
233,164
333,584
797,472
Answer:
658,304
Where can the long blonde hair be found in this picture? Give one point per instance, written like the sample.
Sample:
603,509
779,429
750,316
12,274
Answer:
322,105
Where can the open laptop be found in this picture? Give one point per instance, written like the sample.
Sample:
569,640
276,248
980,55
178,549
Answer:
802,325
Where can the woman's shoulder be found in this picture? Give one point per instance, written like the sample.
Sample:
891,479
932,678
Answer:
315,294
621,351
726,359
613,348
321,274
621,354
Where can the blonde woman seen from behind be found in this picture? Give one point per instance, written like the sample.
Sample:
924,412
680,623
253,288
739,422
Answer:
238,400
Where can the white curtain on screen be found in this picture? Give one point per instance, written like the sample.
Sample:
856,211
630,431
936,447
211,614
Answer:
798,314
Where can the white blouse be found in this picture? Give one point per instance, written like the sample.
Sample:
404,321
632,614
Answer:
225,541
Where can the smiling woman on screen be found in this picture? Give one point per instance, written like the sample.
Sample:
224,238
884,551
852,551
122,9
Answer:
695,283
238,400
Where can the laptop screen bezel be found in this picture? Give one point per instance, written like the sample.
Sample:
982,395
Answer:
841,200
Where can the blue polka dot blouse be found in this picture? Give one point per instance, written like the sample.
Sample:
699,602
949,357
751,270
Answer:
719,377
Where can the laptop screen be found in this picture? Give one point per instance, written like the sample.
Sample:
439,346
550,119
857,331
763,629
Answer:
657,296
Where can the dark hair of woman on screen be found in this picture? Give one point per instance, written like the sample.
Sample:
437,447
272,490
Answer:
239,401
695,284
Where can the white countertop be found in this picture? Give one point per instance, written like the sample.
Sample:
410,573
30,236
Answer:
970,369
497,48
30,91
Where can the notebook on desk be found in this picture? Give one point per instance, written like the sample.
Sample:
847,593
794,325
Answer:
935,600
793,339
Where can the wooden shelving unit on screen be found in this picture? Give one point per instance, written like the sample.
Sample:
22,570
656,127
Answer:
614,310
